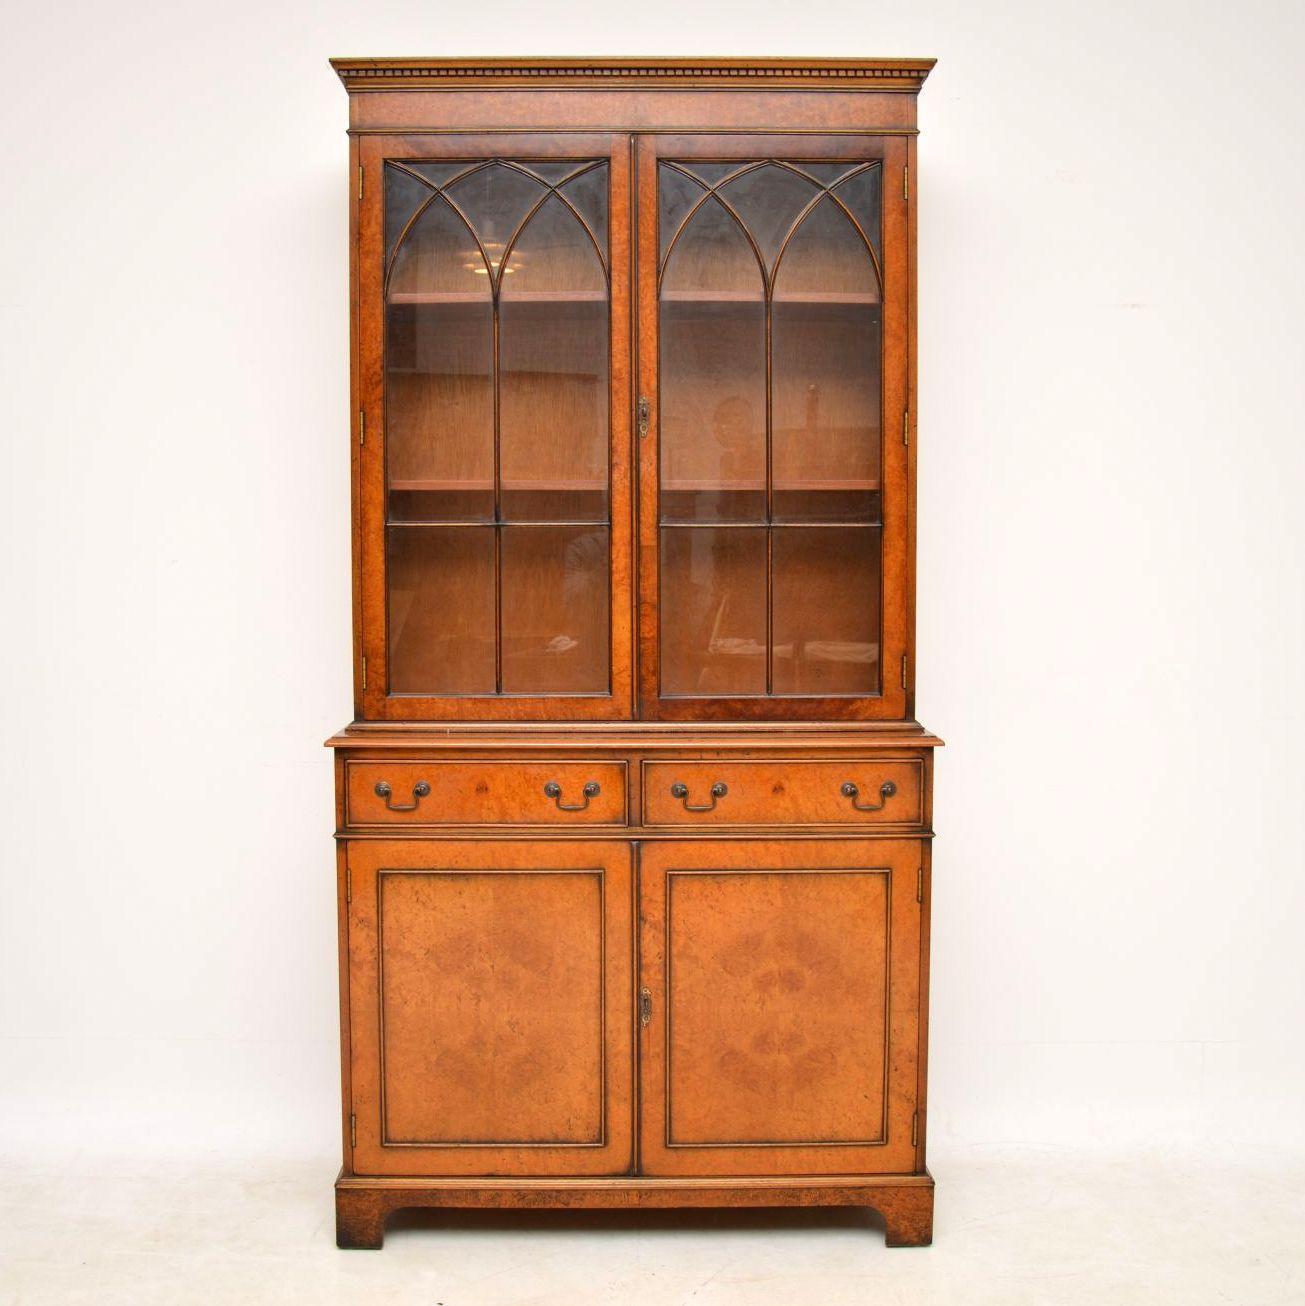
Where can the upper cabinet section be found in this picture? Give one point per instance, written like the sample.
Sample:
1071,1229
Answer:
553,293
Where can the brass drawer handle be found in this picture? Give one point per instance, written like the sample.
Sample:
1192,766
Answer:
681,791
419,791
553,790
886,791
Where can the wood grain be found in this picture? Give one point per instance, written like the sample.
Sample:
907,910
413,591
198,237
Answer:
490,1007
785,990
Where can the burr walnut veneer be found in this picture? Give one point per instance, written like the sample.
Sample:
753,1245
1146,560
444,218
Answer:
634,816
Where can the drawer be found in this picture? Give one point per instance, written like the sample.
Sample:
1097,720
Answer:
779,792
485,793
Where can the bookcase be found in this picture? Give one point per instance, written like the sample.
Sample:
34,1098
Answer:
634,814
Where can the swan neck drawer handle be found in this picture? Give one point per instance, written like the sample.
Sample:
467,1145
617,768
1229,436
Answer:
681,791
886,791
553,790
419,791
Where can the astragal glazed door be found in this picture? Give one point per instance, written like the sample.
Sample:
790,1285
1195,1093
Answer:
773,375
492,350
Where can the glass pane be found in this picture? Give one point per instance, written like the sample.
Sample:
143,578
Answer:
677,194
826,610
553,170
713,375
827,259
441,173
404,195
441,609
496,200
439,399
713,610
711,173
553,374
825,333
588,193
555,602
769,200
827,173
862,195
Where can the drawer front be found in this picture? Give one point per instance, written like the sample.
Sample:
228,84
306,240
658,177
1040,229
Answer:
858,791
485,793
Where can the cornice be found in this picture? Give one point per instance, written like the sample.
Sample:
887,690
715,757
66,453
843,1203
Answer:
415,74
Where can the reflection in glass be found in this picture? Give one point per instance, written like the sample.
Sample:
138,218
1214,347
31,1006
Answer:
713,611
555,618
826,610
441,609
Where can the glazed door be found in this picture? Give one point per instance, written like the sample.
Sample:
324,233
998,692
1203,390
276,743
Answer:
773,383
490,1008
492,348
780,983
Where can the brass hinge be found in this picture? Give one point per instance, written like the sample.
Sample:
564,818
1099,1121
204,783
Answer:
362,427
364,671
348,884
906,426
915,1130
906,181
360,181
353,1131
903,670
919,886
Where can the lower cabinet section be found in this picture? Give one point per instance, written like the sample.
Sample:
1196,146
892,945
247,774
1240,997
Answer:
493,1008
519,1034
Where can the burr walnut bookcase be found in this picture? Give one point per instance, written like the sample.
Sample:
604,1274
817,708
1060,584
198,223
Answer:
634,816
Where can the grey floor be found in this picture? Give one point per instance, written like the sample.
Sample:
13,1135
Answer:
1014,1225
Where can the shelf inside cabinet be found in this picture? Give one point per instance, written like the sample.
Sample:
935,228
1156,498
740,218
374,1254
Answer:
509,296
780,486
814,297
588,484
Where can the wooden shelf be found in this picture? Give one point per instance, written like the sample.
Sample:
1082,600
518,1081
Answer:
512,297
424,485
815,297
785,487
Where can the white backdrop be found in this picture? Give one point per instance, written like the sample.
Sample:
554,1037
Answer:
1111,540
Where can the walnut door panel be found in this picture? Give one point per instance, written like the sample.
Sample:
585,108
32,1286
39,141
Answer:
485,793
783,998
490,993
859,791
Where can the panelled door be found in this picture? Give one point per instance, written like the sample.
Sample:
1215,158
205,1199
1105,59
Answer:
773,383
491,1007
780,993
492,356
